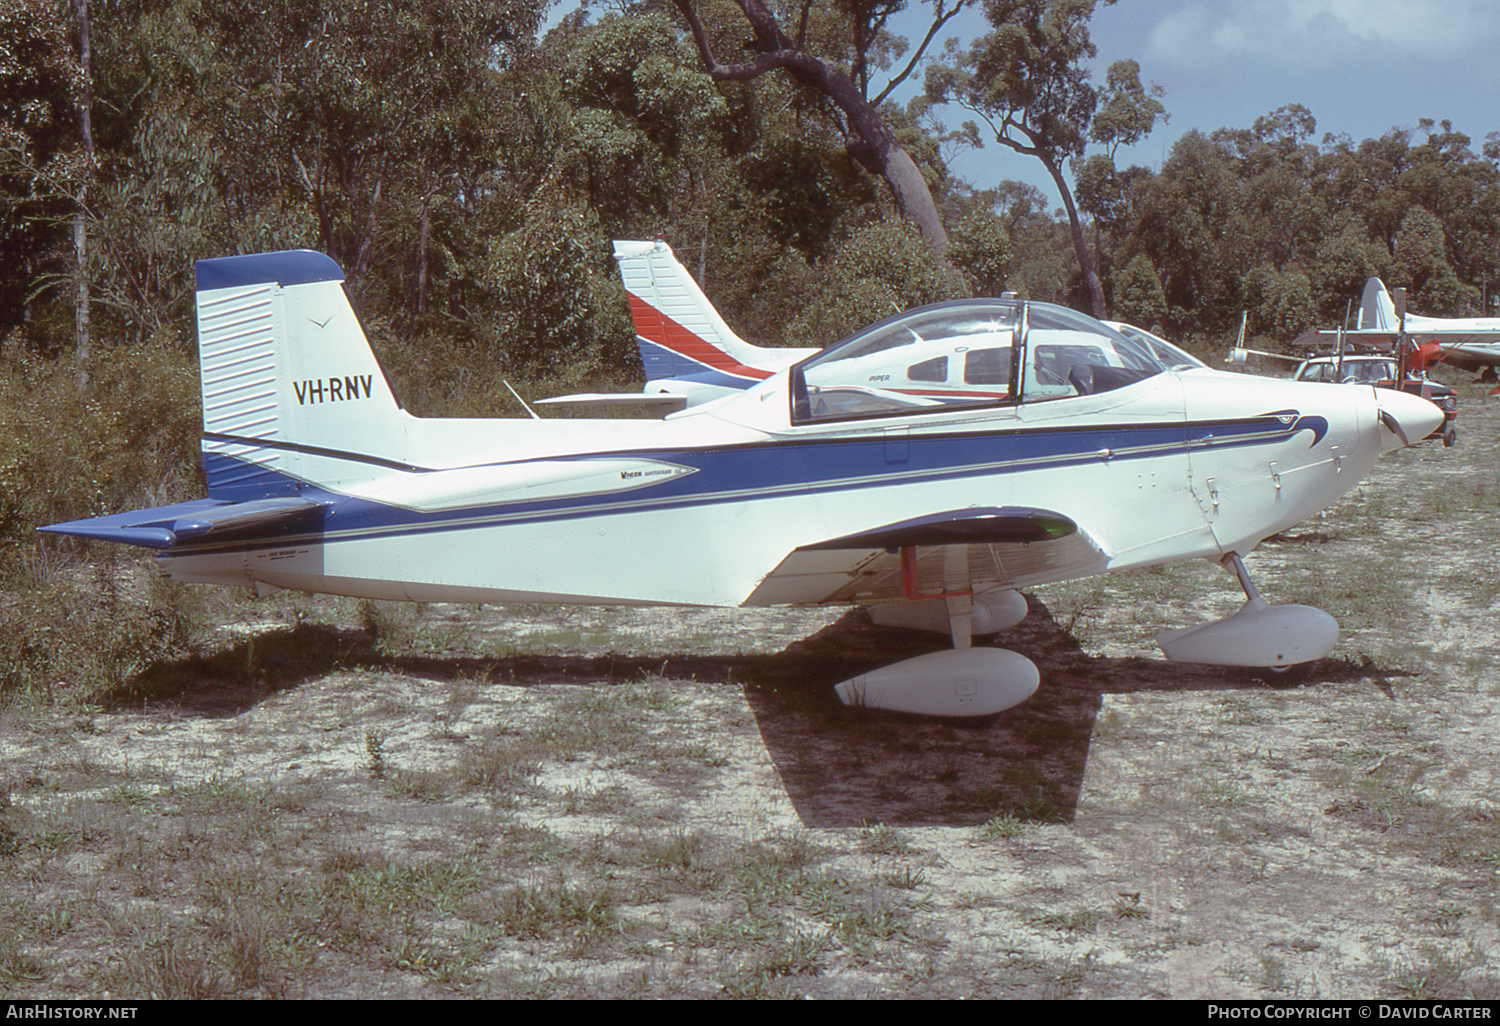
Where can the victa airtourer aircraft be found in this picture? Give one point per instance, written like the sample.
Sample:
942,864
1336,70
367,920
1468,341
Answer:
925,467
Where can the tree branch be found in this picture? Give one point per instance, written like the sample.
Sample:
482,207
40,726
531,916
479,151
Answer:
911,65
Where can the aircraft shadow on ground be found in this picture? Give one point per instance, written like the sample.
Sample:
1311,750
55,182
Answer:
841,767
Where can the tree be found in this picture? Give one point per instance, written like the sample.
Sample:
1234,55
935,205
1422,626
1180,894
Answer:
981,249
1139,298
1421,262
41,161
867,134
883,269
85,177
1127,114
1028,80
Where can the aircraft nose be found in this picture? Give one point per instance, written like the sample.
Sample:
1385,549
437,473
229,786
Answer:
1405,419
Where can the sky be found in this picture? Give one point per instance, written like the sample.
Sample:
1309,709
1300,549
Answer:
1362,67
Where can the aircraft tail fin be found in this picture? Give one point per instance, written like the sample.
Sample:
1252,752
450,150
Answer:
288,377
1377,311
678,331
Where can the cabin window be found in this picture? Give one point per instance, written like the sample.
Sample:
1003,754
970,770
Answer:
987,367
1008,352
935,369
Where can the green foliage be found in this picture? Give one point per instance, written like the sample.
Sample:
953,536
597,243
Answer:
1139,298
81,640
41,83
805,191
1281,304
980,247
556,300
880,271
127,436
1261,219
469,177
1421,260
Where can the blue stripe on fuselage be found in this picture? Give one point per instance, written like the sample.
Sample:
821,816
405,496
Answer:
780,469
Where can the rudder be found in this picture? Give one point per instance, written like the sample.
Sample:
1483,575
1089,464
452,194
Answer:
285,370
678,332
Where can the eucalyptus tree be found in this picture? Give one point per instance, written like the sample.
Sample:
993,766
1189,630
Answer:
1029,81
370,110
42,86
832,54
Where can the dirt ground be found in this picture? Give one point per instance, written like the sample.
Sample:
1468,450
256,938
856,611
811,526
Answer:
612,803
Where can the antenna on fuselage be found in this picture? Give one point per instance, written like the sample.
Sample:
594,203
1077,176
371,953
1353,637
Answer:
513,392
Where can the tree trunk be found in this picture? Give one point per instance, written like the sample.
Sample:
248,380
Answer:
914,199
80,226
1080,244
871,141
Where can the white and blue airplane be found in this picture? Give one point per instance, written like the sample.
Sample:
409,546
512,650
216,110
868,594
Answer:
925,467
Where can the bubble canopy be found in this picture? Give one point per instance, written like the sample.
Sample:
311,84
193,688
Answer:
964,354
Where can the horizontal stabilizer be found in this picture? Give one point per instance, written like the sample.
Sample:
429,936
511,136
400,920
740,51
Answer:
653,402
162,527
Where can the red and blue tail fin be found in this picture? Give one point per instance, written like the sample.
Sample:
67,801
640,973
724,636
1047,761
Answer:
679,334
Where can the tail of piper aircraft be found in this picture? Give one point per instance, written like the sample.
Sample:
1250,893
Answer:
679,333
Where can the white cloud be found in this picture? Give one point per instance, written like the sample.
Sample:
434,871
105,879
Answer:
1330,31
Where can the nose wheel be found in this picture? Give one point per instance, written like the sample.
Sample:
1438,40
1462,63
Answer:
1260,635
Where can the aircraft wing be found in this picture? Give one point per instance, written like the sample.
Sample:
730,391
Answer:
654,402
1445,337
162,527
1316,337
972,549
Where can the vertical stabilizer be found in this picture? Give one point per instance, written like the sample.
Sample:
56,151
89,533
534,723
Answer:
1376,310
678,331
286,371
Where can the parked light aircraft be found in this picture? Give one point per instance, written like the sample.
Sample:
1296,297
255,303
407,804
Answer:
688,353
925,467
1472,343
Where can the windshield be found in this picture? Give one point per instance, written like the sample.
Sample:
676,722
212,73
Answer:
1171,356
1357,371
967,353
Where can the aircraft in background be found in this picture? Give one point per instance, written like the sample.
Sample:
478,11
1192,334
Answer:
1471,343
688,353
926,467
